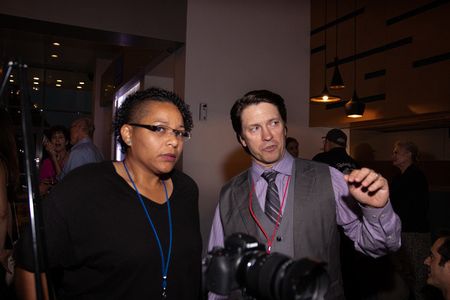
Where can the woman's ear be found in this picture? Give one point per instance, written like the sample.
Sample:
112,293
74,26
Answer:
126,132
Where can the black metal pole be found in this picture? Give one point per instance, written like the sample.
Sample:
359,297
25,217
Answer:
30,169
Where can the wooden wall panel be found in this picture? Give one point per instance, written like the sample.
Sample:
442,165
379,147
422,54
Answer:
409,89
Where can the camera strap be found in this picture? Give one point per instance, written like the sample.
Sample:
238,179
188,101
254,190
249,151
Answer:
280,213
164,263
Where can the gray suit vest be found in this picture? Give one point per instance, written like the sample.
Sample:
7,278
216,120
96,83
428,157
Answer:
312,224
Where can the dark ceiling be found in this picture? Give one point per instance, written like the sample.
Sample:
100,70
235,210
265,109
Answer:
31,42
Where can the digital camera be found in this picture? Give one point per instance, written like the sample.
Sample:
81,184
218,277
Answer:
244,264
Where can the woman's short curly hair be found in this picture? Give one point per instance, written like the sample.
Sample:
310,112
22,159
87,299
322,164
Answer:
130,110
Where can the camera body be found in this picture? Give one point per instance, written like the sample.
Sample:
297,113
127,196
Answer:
244,264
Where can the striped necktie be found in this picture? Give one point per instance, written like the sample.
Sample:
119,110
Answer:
272,206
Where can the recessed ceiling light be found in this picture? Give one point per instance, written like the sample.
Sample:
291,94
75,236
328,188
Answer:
81,82
11,75
56,44
79,86
58,85
35,82
54,56
35,78
11,80
58,80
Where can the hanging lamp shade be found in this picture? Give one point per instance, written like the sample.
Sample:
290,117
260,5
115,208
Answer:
325,97
355,107
337,83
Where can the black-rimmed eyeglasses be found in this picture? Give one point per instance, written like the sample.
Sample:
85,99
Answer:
162,130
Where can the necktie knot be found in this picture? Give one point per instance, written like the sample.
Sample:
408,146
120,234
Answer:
270,176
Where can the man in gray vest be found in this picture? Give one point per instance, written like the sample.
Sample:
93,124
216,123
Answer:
293,205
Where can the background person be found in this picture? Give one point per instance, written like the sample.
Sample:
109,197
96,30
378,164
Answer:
83,150
292,146
312,198
334,152
58,154
9,183
114,230
335,155
410,199
438,265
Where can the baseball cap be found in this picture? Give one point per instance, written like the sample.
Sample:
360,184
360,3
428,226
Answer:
337,136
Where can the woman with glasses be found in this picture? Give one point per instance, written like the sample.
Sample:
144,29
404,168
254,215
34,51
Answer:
128,229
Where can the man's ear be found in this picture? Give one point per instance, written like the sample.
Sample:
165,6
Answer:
242,141
285,131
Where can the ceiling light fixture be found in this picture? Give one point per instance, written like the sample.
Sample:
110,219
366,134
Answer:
81,82
54,56
355,107
35,82
58,80
79,87
56,44
325,96
337,83
35,78
58,85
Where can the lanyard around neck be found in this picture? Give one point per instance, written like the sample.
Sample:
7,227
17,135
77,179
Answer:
164,263
280,213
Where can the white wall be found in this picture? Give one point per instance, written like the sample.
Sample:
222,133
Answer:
233,47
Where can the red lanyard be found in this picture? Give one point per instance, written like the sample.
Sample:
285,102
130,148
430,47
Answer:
277,224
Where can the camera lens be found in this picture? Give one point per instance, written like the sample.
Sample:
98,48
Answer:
303,279
276,277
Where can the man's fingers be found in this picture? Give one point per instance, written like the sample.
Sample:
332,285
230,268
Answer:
367,178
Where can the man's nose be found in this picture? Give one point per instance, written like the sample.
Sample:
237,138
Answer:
266,133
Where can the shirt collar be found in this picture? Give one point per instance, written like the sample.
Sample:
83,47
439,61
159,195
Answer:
283,166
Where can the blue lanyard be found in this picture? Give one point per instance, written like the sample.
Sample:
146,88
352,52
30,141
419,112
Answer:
164,264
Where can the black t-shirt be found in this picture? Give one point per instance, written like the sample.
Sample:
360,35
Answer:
338,158
409,197
101,245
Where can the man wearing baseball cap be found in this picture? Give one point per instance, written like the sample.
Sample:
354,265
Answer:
334,154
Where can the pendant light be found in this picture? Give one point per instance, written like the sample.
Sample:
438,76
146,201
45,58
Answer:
355,107
325,96
337,83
